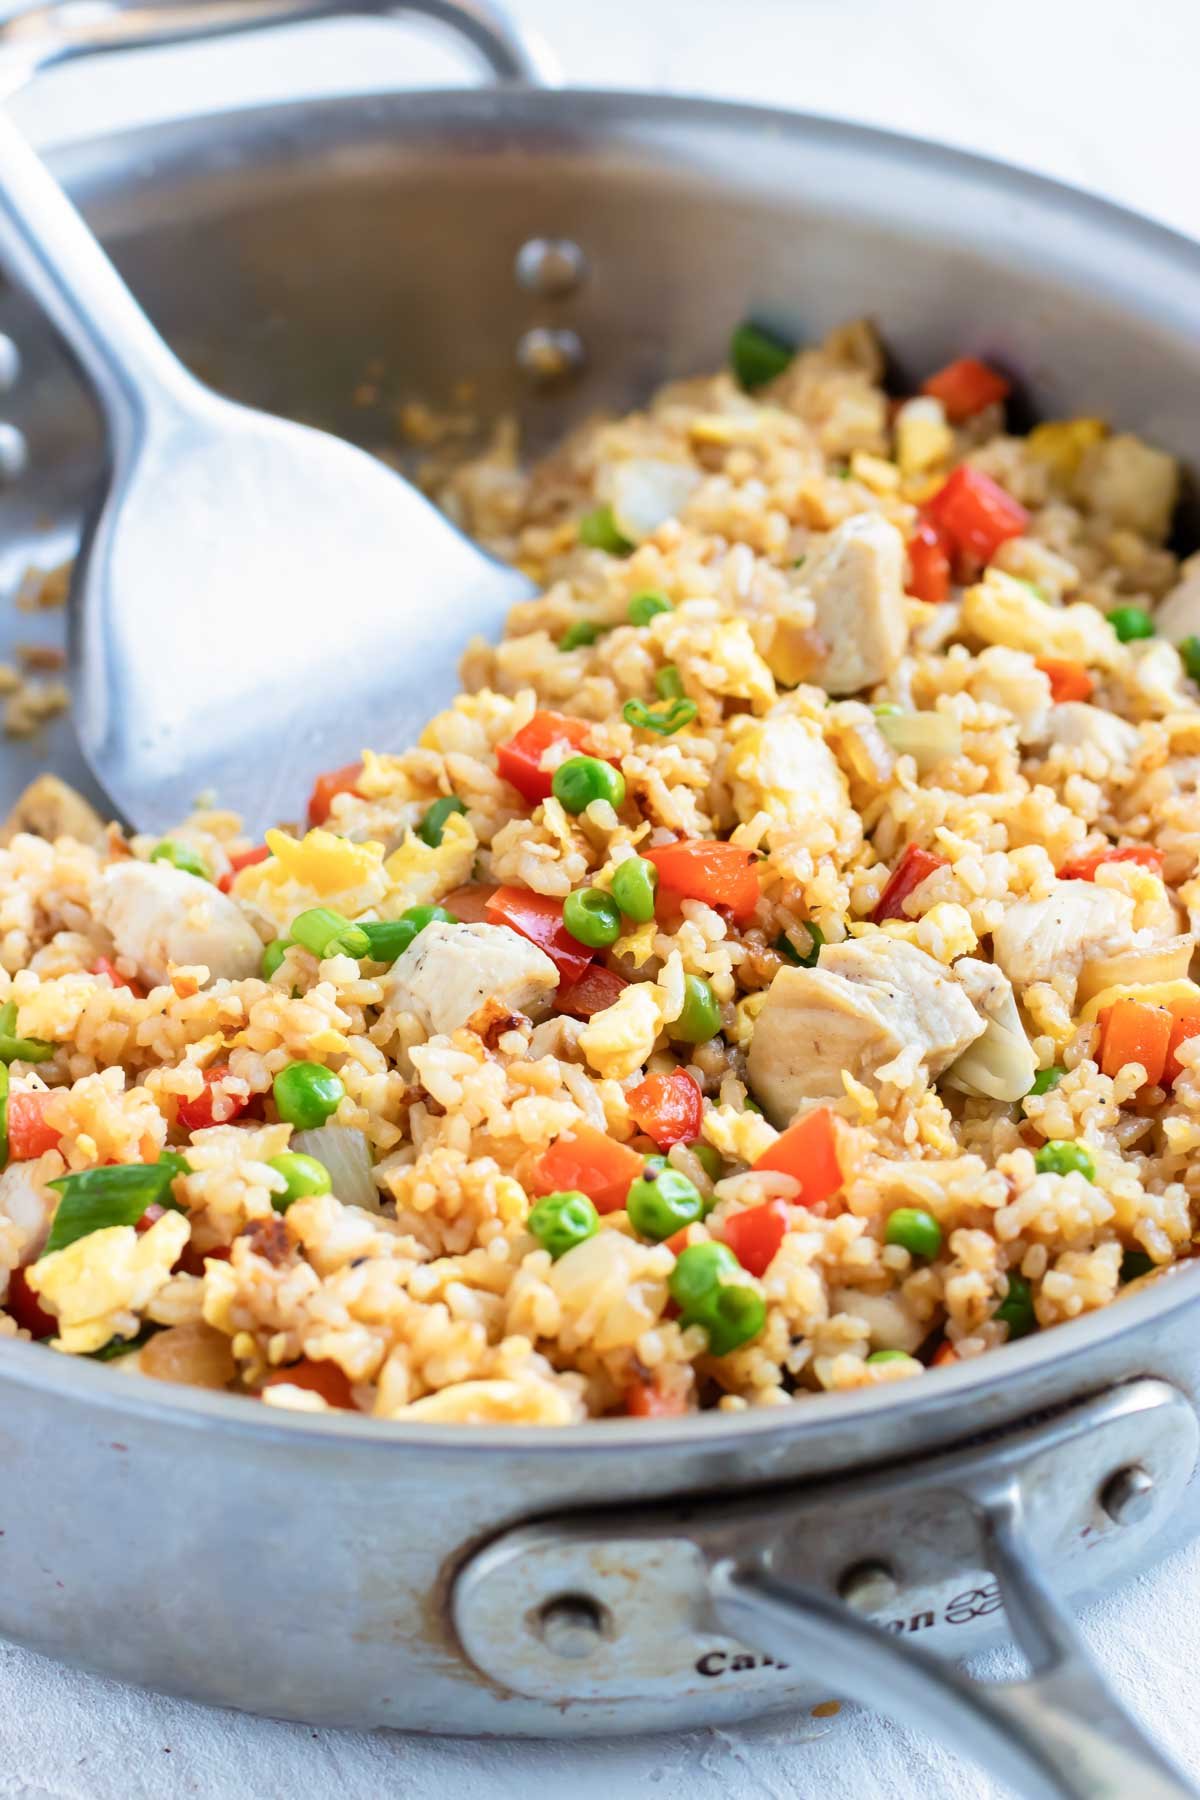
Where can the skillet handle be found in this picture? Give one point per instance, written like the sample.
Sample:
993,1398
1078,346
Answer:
1059,1734
36,34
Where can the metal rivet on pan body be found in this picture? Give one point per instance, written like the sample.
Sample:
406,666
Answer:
10,364
868,1586
571,1626
550,267
547,356
14,453
1128,1496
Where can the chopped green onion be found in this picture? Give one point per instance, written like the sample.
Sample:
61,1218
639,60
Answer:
666,720
432,828
119,1346
668,683
598,530
785,947
19,1049
644,607
758,355
388,938
328,933
583,631
273,955
1135,1264
181,856
1189,650
634,886
1131,623
1016,1308
93,1199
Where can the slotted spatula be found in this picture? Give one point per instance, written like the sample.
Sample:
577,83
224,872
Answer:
254,601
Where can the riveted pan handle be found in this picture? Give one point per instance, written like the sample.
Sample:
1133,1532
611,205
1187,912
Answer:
1061,1734
36,34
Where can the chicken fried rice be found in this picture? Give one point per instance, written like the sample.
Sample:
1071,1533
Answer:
771,975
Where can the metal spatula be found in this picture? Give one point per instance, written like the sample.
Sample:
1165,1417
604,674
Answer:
255,601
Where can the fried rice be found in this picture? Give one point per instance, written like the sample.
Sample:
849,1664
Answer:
893,717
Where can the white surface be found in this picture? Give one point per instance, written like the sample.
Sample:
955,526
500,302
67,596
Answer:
1100,93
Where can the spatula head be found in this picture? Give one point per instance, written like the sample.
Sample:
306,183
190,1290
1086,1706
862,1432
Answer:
257,602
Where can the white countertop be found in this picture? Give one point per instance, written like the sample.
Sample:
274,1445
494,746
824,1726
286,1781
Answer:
1100,93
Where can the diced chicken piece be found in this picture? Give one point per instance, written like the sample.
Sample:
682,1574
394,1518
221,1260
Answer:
1000,1065
448,971
867,1001
1077,726
856,583
1002,610
1179,615
50,809
1007,678
891,1326
1131,484
159,915
26,1209
1051,939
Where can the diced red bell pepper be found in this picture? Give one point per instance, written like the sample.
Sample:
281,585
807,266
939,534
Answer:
808,1152
538,917
326,788
668,1108
519,761
1132,1032
1069,680
914,867
965,387
104,965
150,1217
324,1378
944,1356
1084,867
646,1400
975,513
29,1136
719,873
1183,1026
756,1234
246,859
591,1162
23,1305
596,990
211,1107
928,564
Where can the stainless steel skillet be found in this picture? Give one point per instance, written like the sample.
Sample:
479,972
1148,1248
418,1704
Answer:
330,257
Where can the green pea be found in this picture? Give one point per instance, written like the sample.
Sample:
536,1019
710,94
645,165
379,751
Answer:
305,1176
785,947
327,933
1016,1308
181,856
1131,622
1134,1264
1062,1156
634,886
710,1288
758,355
886,1356
421,916
432,828
662,1201
914,1230
666,719
583,631
1045,1079
306,1094
598,530
591,916
582,779
708,1156
668,682
643,607
273,955
700,1019
1189,650
560,1221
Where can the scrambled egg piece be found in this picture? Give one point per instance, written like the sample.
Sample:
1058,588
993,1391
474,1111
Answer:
945,931
99,1284
496,1402
421,873
638,945
923,439
1061,443
784,767
620,1039
720,650
1001,610
319,868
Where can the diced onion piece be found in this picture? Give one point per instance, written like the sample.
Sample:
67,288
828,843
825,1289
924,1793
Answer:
647,492
998,1066
346,1154
1152,963
928,737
